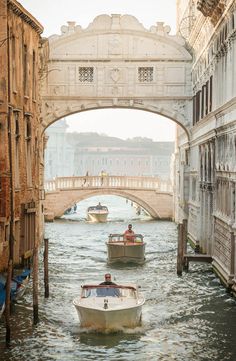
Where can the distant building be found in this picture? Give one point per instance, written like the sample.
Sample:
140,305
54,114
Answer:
59,154
90,153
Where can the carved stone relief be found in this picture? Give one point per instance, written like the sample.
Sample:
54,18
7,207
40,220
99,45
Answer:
115,74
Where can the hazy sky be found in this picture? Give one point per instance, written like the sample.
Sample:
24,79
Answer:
52,14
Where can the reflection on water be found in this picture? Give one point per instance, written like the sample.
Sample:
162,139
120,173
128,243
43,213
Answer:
184,318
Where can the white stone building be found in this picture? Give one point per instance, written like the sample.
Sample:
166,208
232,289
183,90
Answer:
59,154
207,163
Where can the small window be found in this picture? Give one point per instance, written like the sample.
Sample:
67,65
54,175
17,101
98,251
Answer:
86,74
145,74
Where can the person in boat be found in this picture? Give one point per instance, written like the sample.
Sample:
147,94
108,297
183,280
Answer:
99,206
108,280
114,292
129,234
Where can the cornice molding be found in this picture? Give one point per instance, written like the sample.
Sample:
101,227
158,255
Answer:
20,11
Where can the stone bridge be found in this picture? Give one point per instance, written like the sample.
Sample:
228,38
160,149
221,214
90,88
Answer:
116,63
151,193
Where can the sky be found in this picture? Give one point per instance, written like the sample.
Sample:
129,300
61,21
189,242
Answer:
122,123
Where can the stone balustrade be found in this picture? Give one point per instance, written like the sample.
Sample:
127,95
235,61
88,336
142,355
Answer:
124,182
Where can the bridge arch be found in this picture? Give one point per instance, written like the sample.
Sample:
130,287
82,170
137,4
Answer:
116,63
124,194
90,107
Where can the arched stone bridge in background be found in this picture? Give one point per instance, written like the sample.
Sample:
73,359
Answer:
151,193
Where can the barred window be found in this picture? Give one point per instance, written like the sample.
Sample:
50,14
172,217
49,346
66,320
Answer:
145,75
86,74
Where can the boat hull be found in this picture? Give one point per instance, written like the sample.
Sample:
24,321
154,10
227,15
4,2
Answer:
97,217
102,319
126,253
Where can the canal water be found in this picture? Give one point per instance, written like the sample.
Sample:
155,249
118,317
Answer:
184,318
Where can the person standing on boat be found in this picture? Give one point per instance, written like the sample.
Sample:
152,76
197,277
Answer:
108,280
129,234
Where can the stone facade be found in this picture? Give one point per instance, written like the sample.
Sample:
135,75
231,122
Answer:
19,135
207,164
116,62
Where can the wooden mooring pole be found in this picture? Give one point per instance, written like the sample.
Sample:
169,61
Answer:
35,286
8,302
180,250
45,259
232,263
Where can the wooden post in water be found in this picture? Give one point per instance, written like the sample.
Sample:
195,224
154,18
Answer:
185,241
46,278
35,286
8,303
180,250
232,263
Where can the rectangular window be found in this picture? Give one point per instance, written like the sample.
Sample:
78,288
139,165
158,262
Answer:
86,74
145,74
210,94
34,77
14,81
203,101
198,104
17,150
194,109
28,150
206,97
25,69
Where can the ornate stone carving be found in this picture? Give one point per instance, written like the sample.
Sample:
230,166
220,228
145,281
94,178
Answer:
179,107
115,74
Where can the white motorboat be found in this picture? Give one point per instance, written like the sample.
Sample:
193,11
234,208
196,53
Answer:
109,307
121,250
97,213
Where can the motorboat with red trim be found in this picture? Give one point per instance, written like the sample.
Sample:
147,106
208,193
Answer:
120,249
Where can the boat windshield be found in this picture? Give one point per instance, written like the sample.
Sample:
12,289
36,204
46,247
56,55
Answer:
109,291
95,208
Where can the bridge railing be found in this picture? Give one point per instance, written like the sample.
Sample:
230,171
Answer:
108,182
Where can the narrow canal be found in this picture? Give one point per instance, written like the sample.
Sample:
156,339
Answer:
184,318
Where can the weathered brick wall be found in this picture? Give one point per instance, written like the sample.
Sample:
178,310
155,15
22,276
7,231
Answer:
19,111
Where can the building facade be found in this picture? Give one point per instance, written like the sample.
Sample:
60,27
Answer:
207,165
19,138
59,153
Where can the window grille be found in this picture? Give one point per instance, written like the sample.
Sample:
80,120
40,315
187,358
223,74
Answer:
145,75
86,74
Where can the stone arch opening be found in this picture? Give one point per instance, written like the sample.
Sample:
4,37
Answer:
76,198
95,108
